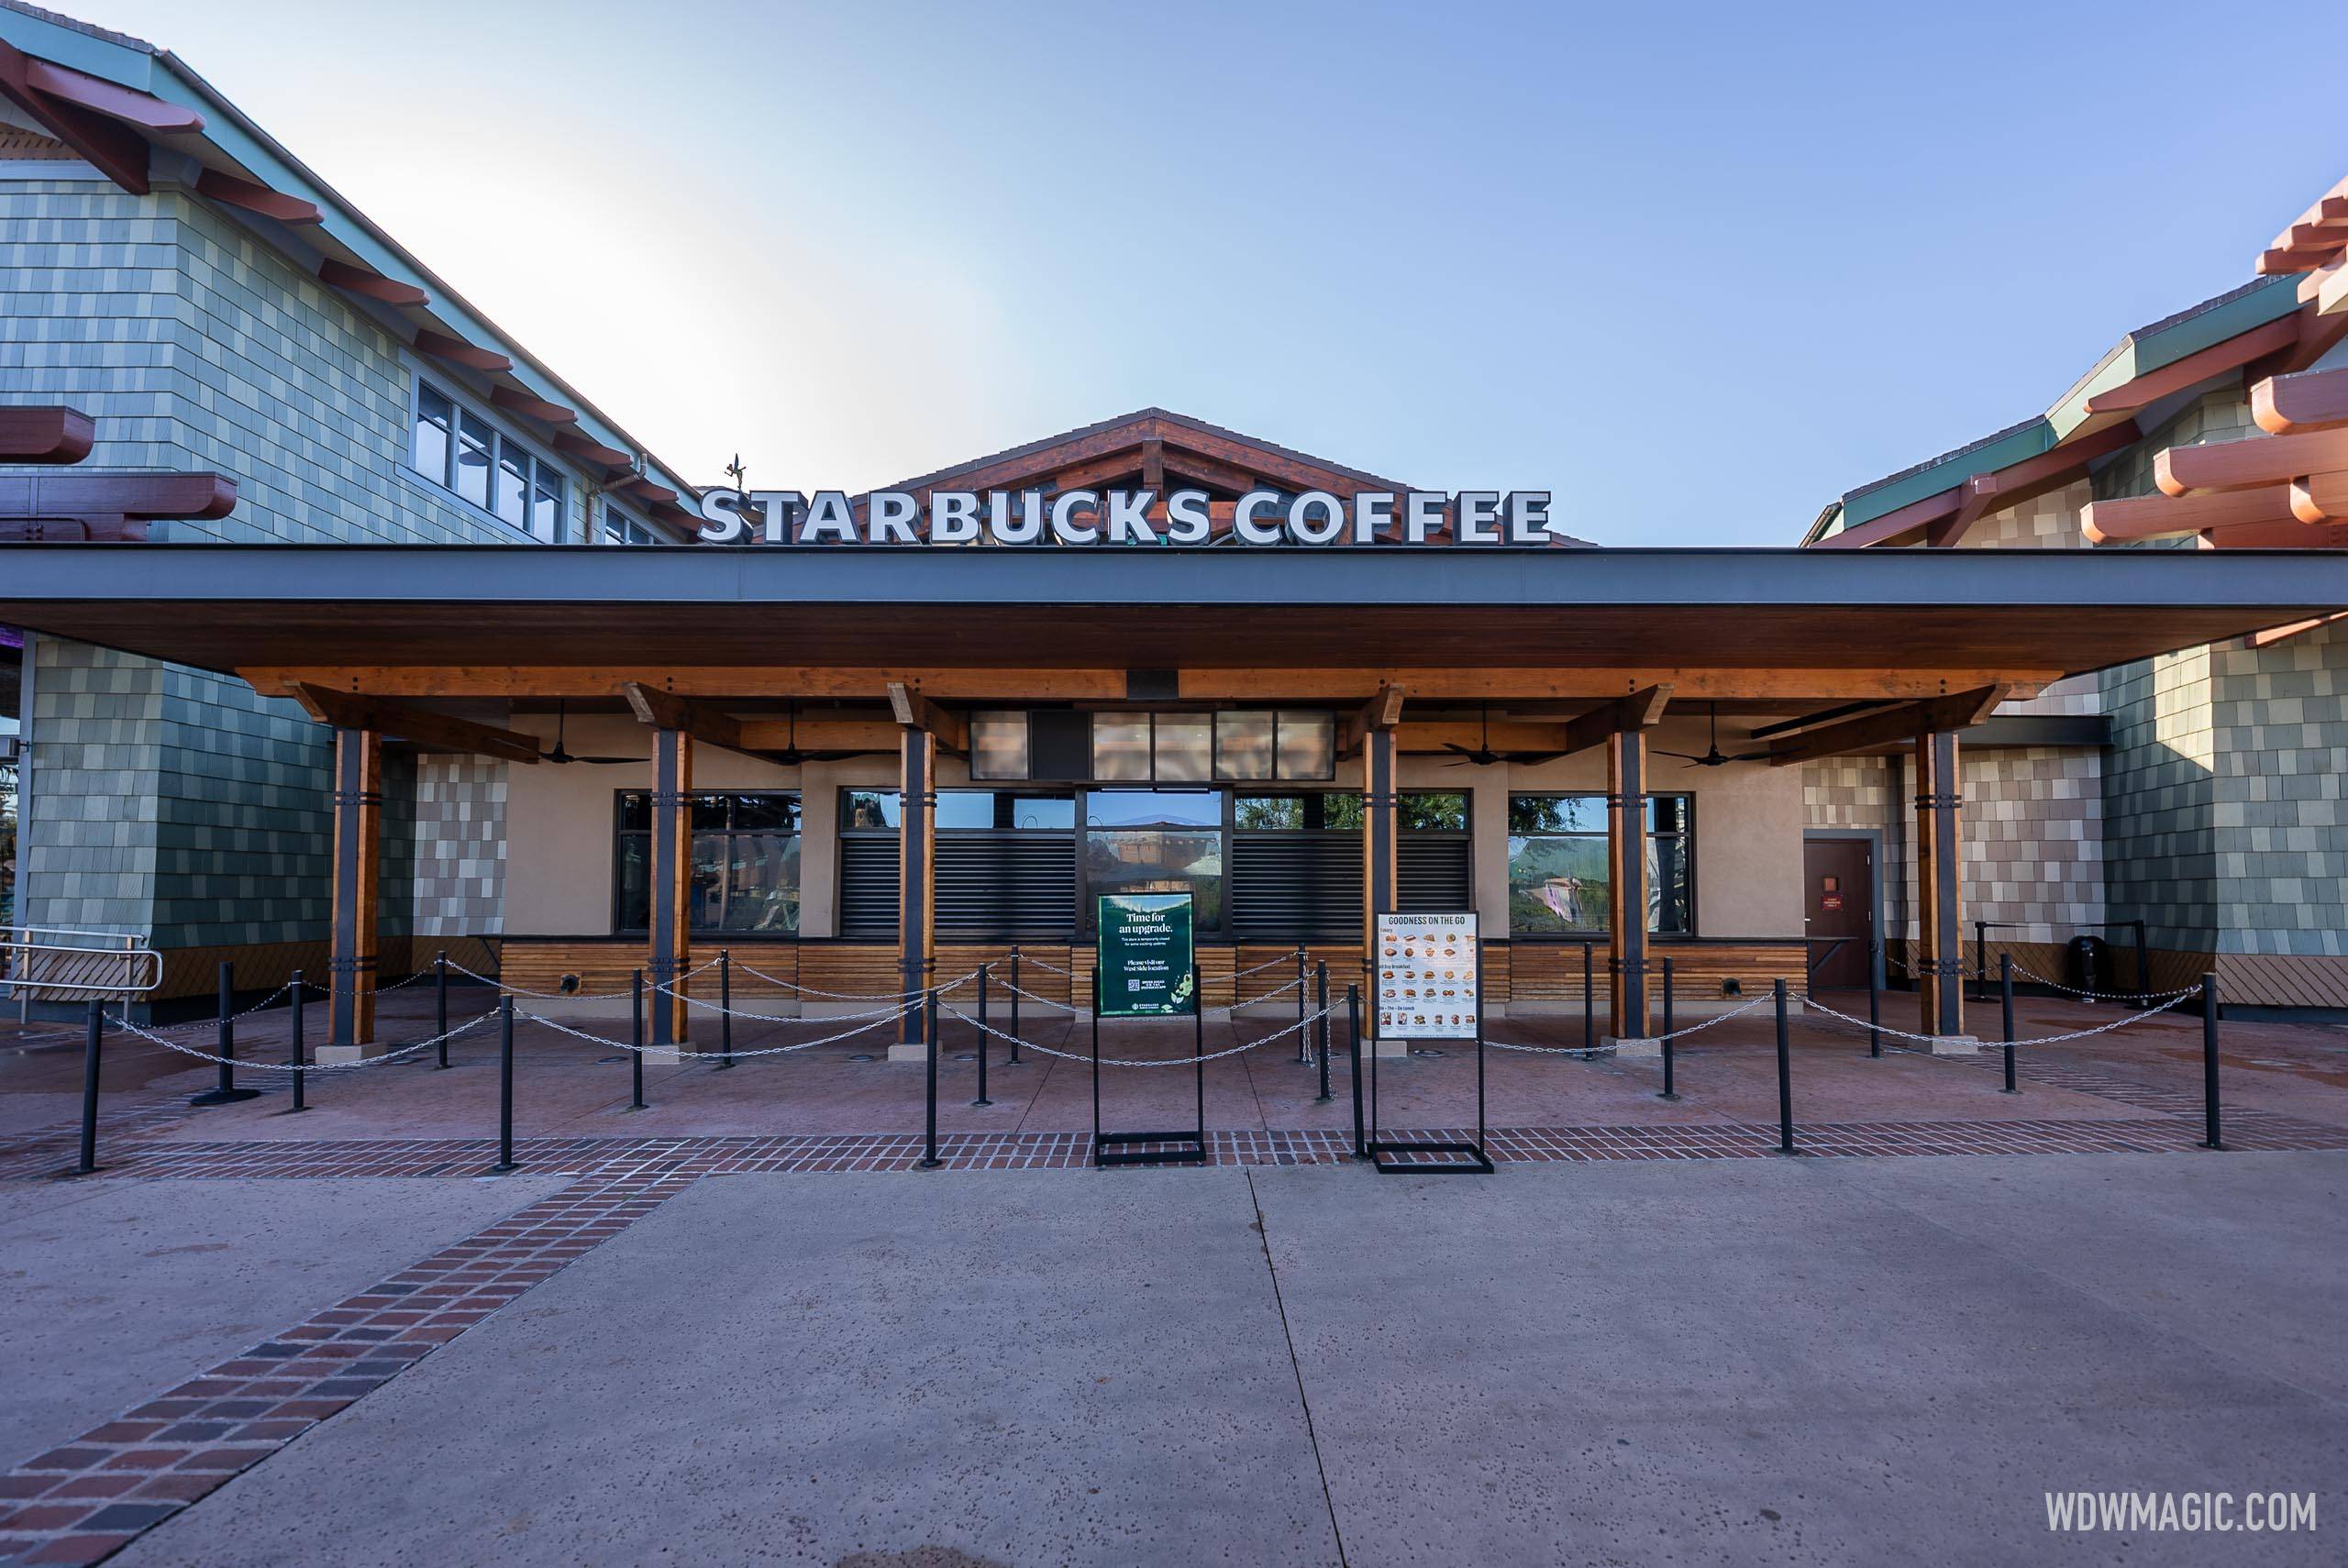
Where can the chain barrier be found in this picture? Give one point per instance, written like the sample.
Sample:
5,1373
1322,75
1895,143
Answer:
2100,996
779,1018
1605,1050
732,1056
504,989
943,988
2044,1040
1086,1058
264,1064
1226,1008
1028,958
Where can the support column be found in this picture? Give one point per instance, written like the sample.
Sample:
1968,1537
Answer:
1940,870
1380,878
1626,868
358,850
916,877
671,875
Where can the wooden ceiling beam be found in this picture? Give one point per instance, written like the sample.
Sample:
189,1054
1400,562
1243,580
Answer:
2241,465
1958,710
433,731
1014,686
667,711
916,711
1642,709
2310,400
1383,712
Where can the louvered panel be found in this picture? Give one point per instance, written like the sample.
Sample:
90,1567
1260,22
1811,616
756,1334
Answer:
1434,874
1294,886
868,889
1006,887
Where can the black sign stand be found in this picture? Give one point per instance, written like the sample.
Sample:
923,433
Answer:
1469,1159
1134,1148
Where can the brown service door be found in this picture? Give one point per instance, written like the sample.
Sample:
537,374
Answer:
1838,898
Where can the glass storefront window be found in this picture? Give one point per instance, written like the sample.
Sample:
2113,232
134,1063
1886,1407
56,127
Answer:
1157,842
1185,748
1558,882
999,743
745,873
1120,748
1243,745
1308,745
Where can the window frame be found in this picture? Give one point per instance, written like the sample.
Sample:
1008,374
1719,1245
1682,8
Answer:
607,511
622,833
1271,783
1686,833
463,405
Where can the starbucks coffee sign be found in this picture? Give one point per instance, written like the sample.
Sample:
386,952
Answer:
1078,517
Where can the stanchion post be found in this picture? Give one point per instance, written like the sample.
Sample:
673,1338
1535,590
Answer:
1303,1033
1875,998
2144,968
2006,1003
92,1044
636,1040
724,1009
982,1098
1352,1037
504,1086
929,1161
1669,1089
1785,1078
1321,1001
227,1089
440,1003
301,1059
2210,1139
1981,955
1013,1060
1589,999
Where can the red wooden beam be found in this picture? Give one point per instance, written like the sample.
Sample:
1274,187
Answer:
1916,514
2026,480
236,193
112,147
115,101
45,434
2157,516
514,401
2240,465
2321,498
2286,535
571,444
2285,405
366,281
198,497
457,352
2216,360
646,490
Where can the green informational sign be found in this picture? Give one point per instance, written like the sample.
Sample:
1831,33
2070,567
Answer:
1145,965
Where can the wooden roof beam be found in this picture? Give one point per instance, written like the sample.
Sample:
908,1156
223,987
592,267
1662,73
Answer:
1958,710
52,434
2249,463
2162,516
2028,479
114,148
141,111
2274,337
232,191
199,497
457,352
434,731
665,710
916,711
2311,399
1929,512
1642,709
369,284
1383,712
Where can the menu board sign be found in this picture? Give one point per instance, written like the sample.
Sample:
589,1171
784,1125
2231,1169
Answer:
1427,977
1146,968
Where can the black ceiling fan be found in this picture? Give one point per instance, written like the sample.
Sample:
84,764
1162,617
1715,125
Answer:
562,720
1483,756
1713,756
792,756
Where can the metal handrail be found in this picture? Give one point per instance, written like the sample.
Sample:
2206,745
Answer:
75,966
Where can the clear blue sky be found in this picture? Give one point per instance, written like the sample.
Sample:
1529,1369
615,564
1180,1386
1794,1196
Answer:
1697,269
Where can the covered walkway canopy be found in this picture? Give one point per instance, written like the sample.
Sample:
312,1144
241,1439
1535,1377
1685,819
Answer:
1841,651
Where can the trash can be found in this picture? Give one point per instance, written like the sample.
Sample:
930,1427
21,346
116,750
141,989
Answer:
2088,964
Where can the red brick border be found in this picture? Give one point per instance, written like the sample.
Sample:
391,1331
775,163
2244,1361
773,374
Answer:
83,1501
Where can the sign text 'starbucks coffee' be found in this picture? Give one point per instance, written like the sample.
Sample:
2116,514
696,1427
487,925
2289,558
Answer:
1146,966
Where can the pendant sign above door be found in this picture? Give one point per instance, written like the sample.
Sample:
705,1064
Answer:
1146,966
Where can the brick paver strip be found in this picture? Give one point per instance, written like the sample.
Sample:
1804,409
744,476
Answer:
84,1500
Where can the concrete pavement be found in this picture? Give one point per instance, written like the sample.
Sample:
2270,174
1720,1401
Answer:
1853,1361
